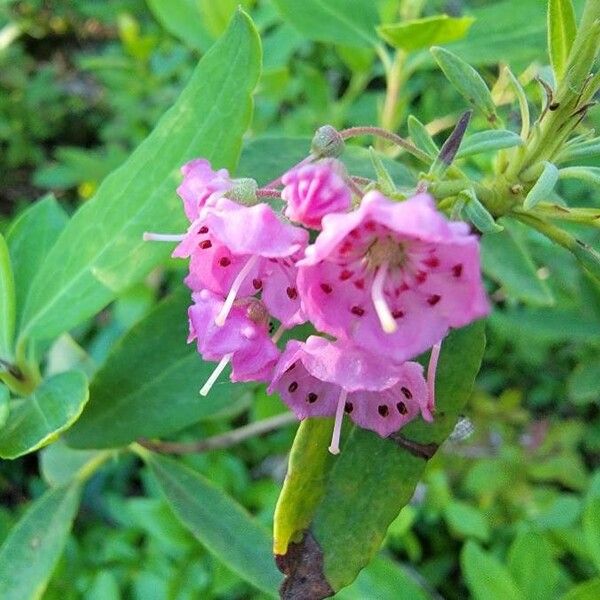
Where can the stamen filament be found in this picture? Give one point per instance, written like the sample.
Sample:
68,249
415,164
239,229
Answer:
334,447
215,374
431,371
233,292
388,323
277,335
162,237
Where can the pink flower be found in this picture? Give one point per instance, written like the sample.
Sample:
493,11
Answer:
392,277
314,190
202,186
243,341
239,251
321,378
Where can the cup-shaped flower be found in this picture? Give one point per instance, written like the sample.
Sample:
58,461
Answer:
244,339
392,277
320,378
239,251
314,190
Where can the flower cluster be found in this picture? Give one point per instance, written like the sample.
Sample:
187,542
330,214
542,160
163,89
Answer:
382,282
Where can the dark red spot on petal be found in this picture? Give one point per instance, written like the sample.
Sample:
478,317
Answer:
433,299
224,262
273,260
327,289
311,398
383,410
457,270
421,276
360,284
292,366
404,287
402,408
355,233
358,311
349,407
293,386
203,229
292,293
345,247
397,314
407,393
345,275
257,284
370,225
205,245
432,262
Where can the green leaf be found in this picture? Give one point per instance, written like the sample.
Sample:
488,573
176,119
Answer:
528,558
333,512
29,239
543,186
561,33
472,210
583,382
7,302
183,19
208,120
467,81
486,578
38,419
60,464
384,579
466,521
33,547
218,522
149,389
425,32
488,141
507,260
348,22
580,150
589,590
587,174
591,528
4,407
420,137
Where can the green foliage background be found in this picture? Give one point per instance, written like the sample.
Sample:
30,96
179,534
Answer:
512,511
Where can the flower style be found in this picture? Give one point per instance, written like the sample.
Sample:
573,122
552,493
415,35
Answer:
314,190
238,251
202,186
322,378
392,277
244,340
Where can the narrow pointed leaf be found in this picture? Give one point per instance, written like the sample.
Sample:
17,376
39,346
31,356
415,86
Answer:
420,137
218,522
38,419
523,104
101,251
423,33
543,186
29,239
467,81
33,547
587,174
333,512
450,148
7,302
384,179
488,141
151,389
472,210
562,29
580,150
4,408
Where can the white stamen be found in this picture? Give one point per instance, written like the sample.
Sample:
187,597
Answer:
334,447
215,374
388,323
431,370
162,237
277,335
233,292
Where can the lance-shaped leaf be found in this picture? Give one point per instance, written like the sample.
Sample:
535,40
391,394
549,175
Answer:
150,389
4,408
333,512
471,209
488,141
587,174
451,146
428,31
33,547
217,521
101,251
543,187
384,179
7,302
348,22
581,149
420,136
29,239
562,29
467,81
39,419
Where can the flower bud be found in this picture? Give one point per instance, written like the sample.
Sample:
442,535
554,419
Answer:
327,142
244,191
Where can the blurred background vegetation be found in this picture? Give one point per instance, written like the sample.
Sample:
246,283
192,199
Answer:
515,494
